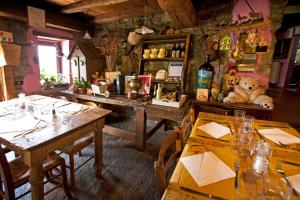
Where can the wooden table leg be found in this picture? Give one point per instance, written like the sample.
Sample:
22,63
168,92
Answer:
36,181
35,160
98,139
141,135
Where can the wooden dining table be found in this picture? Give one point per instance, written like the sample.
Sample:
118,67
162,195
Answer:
251,185
53,130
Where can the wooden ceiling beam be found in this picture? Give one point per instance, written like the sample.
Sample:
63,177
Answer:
82,6
180,12
132,10
19,12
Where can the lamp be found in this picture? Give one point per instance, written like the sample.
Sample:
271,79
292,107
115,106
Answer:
144,30
87,36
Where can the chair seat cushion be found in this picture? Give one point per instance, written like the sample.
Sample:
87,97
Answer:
78,144
20,171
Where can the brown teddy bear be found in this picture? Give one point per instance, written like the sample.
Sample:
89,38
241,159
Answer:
230,80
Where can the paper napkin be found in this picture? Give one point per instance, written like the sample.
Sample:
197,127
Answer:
279,136
206,168
214,129
295,181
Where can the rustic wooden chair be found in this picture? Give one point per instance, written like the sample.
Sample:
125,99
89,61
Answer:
163,164
15,174
76,147
186,126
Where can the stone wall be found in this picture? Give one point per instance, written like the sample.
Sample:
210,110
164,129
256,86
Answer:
128,55
216,21
19,30
159,22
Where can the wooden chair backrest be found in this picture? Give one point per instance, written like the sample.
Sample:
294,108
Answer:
90,103
186,126
6,178
162,165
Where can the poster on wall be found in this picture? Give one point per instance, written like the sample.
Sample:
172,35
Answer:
36,17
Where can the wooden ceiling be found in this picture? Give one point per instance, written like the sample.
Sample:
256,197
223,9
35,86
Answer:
105,11
75,14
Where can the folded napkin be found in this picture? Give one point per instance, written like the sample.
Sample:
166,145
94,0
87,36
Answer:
279,136
295,181
13,127
3,111
73,108
214,129
206,168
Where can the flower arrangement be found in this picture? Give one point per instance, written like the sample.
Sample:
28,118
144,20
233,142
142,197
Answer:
108,46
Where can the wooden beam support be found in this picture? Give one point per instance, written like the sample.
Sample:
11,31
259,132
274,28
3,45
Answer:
133,9
180,12
82,6
19,12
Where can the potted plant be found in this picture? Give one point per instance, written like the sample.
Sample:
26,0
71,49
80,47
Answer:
81,86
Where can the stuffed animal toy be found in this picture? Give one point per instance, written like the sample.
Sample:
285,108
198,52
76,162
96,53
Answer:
230,80
264,101
249,90
215,90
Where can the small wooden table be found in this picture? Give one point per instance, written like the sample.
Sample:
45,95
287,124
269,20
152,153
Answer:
143,111
221,108
36,145
182,185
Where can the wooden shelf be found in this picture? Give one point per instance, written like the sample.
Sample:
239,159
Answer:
169,41
163,59
166,82
161,63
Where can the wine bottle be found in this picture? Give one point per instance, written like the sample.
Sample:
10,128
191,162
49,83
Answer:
205,79
173,51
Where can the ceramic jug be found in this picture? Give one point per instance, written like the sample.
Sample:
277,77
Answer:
162,53
153,53
146,53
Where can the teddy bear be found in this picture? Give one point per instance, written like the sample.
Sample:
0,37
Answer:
242,91
229,81
264,101
249,90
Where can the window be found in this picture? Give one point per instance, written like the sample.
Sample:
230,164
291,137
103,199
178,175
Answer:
49,64
53,63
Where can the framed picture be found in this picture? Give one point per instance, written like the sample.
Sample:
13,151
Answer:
146,81
127,81
175,69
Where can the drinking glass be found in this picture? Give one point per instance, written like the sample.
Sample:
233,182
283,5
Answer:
245,142
66,118
239,116
248,123
22,100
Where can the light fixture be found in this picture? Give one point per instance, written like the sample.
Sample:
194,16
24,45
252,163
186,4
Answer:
87,36
144,30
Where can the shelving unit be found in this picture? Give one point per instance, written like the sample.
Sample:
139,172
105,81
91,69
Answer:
162,42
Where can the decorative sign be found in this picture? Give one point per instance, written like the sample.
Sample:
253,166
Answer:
225,43
175,69
6,36
36,17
